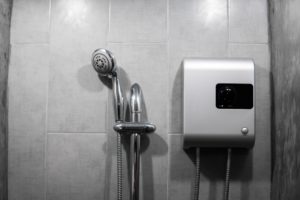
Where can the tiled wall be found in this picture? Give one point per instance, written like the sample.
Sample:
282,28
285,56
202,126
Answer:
61,142
5,14
285,29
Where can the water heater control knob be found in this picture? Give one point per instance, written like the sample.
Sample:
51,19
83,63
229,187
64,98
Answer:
244,131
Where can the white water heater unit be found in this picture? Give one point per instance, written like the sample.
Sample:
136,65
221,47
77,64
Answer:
219,103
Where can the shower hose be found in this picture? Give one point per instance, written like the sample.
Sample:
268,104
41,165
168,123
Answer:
119,167
227,175
197,178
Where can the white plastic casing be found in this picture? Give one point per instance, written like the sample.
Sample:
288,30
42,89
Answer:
204,124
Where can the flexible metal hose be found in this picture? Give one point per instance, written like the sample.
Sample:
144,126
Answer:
227,175
197,177
119,167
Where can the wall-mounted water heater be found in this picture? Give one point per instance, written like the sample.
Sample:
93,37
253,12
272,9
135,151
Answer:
219,106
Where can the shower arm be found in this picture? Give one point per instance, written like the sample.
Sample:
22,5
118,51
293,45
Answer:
136,103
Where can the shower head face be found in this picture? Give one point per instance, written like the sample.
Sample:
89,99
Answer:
104,62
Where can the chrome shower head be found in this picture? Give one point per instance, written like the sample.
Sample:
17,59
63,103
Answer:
104,62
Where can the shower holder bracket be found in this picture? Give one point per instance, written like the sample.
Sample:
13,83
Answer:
133,127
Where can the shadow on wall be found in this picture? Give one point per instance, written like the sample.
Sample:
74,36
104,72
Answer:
213,165
158,147
87,79
176,121
212,161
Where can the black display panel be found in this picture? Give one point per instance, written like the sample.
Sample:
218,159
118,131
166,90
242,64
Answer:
234,96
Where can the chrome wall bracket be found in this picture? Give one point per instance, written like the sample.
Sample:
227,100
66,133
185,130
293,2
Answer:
135,128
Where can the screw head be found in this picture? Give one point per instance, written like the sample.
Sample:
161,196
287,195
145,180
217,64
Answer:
244,130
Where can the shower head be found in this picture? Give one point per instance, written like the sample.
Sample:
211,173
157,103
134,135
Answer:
104,62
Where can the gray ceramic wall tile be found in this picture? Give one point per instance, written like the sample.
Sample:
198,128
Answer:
248,21
30,21
76,166
77,99
181,170
198,26
154,167
26,176
197,29
28,79
142,21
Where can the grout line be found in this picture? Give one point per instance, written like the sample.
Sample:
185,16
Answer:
138,43
228,31
248,43
28,43
46,110
72,133
168,91
228,20
109,23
